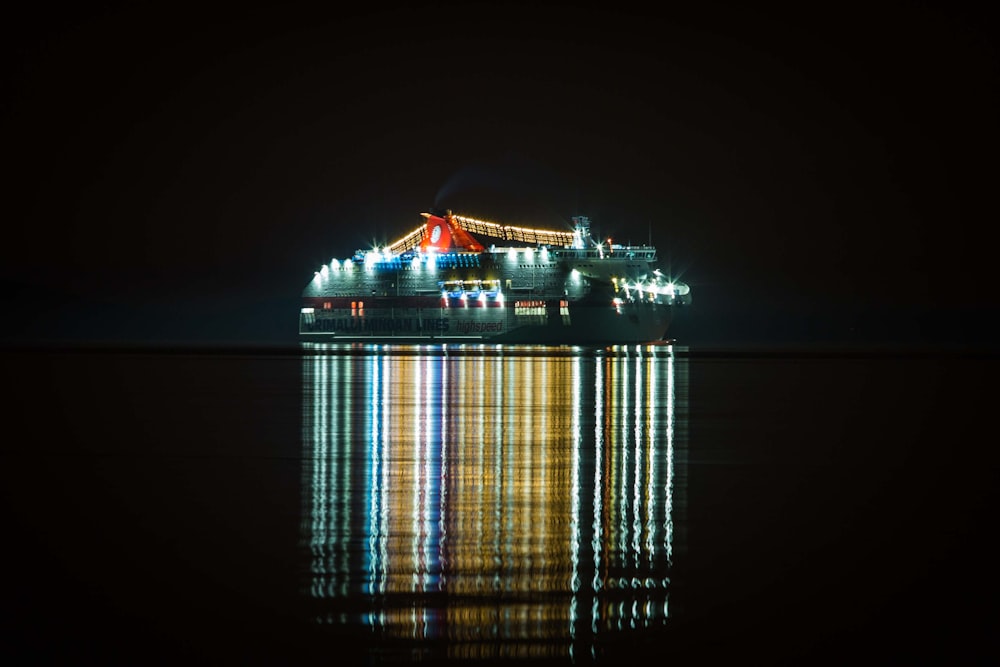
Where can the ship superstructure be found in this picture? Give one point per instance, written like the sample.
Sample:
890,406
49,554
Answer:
440,283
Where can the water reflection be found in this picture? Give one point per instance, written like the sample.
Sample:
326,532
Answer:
506,501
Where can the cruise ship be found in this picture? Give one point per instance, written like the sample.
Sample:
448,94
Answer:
441,283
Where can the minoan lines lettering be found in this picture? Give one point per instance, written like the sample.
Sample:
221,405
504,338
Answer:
392,324
397,325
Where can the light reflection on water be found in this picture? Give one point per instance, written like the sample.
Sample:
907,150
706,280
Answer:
507,501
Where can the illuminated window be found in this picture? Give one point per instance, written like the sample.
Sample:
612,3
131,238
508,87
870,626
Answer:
529,307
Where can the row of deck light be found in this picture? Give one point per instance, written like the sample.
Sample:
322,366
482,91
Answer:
654,287
464,296
529,253
378,255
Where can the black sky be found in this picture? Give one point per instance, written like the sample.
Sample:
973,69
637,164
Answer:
821,174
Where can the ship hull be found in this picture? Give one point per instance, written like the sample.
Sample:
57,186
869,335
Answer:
548,323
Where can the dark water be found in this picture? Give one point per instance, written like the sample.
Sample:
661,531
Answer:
359,506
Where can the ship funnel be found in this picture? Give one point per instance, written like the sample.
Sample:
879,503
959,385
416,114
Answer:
445,233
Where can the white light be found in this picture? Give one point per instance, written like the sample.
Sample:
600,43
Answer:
348,265
529,253
307,310
575,275
512,255
334,264
545,254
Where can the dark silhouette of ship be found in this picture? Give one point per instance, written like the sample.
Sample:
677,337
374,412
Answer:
440,283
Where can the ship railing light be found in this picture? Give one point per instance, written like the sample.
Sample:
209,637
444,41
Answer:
307,310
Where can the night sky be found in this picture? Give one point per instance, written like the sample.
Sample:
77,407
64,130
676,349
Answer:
820,176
